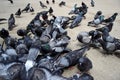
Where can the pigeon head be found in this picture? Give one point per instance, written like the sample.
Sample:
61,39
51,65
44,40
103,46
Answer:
40,2
99,12
75,5
83,3
4,33
12,15
86,76
19,9
116,14
38,31
28,4
21,32
91,32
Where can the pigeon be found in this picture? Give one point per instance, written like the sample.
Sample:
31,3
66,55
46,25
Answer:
62,3
83,37
86,76
83,76
4,33
10,71
27,8
31,9
98,19
21,32
84,8
107,37
92,3
109,47
53,1
40,73
11,22
37,21
42,5
47,1
44,17
71,58
108,42
111,19
97,14
84,5
106,27
74,9
18,13
50,10
2,19
77,20
95,34
84,64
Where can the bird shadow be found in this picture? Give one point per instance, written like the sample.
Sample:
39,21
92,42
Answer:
19,16
16,25
3,22
104,52
117,54
32,13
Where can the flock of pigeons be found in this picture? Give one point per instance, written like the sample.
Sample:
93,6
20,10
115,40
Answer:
42,53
